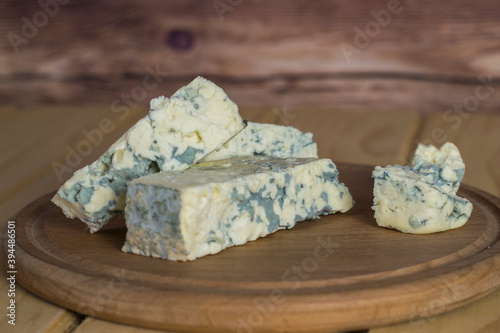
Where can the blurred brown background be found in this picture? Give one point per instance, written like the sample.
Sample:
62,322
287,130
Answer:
409,55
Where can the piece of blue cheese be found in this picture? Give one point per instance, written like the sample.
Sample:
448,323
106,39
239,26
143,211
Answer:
267,140
443,167
177,132
213,205
410,202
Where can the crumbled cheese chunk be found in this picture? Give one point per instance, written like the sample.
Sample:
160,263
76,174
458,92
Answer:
185,215
177,132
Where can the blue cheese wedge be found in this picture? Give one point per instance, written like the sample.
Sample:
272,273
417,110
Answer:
267,140
409,202
213,205
177,132
443,167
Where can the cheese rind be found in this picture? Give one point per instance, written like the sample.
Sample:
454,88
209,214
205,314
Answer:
213,205
267,140
407,201
177,132
443,167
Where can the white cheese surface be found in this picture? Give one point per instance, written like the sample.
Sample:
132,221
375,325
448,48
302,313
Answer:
407,201
185,215
177,132
267,140
443,167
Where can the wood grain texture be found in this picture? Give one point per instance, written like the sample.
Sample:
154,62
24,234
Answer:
347,92
94,325
263,53
255,38
339,272
479,317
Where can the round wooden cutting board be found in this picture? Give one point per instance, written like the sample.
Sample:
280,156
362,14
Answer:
338,272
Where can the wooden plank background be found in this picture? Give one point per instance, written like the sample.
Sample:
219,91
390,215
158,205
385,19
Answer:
408,55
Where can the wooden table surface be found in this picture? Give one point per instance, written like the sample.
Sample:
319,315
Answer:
36,142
